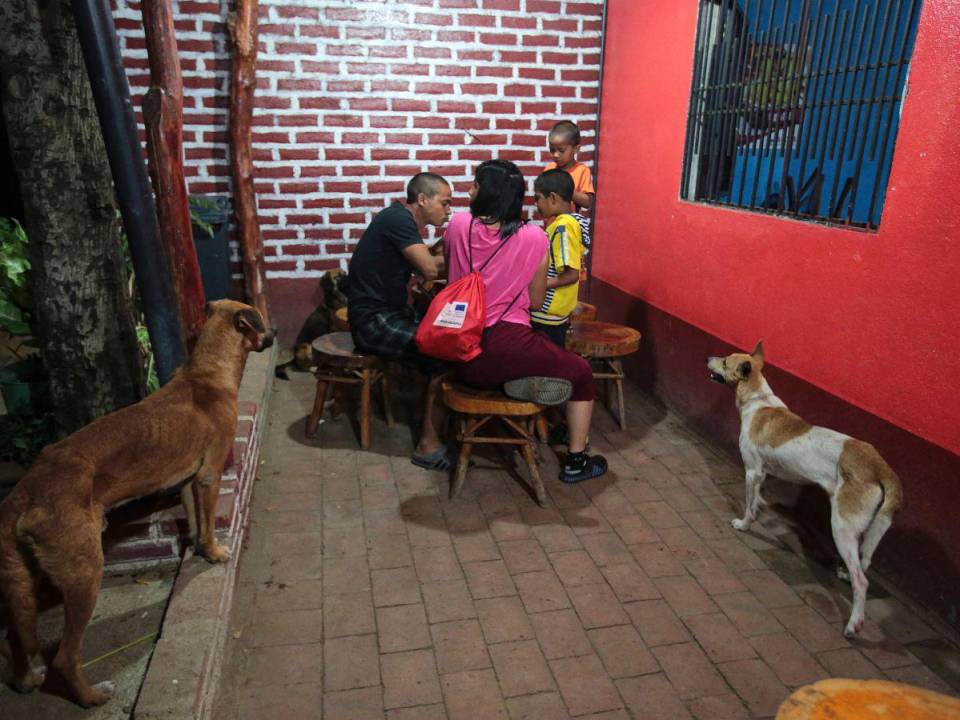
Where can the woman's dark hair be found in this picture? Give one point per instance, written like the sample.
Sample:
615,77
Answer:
499,198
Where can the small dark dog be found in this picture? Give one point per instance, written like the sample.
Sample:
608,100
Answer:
320,322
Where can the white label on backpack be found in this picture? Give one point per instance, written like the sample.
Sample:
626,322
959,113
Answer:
453,315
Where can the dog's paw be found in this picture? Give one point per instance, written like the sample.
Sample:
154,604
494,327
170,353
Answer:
739,524
99,694
217,553
853,627
31,681
843,573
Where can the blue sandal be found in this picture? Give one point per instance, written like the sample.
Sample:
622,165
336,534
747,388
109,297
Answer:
439,459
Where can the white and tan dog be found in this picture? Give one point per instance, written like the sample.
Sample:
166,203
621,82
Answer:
864,492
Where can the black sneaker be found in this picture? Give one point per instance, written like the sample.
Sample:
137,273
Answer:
539,390
580,467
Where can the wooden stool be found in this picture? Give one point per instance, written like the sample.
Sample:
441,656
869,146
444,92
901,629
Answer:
339,364
867,700
584,312
341,319
606,343
477,408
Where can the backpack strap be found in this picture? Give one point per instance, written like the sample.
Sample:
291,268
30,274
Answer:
515,298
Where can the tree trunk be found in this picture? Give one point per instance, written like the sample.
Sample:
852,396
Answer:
82,313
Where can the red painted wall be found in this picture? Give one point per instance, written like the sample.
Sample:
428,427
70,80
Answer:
873,318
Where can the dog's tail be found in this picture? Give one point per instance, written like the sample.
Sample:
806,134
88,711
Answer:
280,371
891,498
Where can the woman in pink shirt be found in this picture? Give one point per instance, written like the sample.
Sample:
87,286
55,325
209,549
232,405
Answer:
512,258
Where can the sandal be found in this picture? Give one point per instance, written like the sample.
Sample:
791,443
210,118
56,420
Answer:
439,459
595,466
540,390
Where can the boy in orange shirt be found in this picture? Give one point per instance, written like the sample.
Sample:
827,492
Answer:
564,143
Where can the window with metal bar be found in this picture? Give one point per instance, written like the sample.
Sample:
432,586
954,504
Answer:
795,104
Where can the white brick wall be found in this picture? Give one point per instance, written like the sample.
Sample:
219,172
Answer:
355,97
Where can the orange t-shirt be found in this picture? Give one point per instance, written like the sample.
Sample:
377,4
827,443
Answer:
582,181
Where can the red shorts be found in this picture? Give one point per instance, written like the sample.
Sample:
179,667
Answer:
512,351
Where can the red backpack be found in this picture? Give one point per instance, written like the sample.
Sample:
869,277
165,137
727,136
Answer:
453,326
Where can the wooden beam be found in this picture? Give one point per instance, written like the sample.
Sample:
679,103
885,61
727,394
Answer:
243,84
163,120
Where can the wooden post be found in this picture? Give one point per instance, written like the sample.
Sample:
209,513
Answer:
243,84
163,120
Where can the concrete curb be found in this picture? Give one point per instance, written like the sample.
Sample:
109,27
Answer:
184,671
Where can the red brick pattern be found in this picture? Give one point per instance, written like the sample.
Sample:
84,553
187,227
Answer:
154,530
354,98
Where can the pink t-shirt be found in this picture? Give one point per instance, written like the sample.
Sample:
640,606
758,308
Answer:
508,274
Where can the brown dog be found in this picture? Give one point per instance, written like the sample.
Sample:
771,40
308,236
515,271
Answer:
52,520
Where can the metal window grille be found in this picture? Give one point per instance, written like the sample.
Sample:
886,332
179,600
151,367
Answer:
795,104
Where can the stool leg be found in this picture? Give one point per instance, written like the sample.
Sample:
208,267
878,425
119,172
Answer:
365,411
313,420
463,463
387,405
336,392
543,432
531,458
618,368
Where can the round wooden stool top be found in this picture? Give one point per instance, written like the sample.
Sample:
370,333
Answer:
838,699
341,318
337,349
602,340
584,312
485,402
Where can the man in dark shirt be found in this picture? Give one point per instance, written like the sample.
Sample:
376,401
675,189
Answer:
382,321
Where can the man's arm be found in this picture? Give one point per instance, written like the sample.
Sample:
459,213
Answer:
426,264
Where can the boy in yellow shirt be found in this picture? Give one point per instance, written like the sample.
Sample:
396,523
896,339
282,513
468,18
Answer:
553,191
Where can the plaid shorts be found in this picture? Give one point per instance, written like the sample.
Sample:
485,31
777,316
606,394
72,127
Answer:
390,334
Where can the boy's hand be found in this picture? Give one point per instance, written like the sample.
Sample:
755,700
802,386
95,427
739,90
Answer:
567,277
584,200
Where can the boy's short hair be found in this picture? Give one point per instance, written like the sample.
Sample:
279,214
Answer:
427,183
568,130
554,181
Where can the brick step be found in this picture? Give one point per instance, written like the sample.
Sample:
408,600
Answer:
154,530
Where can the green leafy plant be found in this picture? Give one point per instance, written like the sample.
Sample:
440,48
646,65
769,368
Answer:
22,437
15,303
198,203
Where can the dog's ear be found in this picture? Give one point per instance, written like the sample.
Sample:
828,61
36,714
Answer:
248,319
758,351
743,371
208,308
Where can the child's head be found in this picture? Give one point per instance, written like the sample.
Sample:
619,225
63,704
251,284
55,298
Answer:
564,142
553,192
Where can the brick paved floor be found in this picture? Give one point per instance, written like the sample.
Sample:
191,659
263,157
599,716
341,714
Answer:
366,593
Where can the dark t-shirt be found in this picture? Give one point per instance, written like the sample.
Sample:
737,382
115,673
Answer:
378,270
